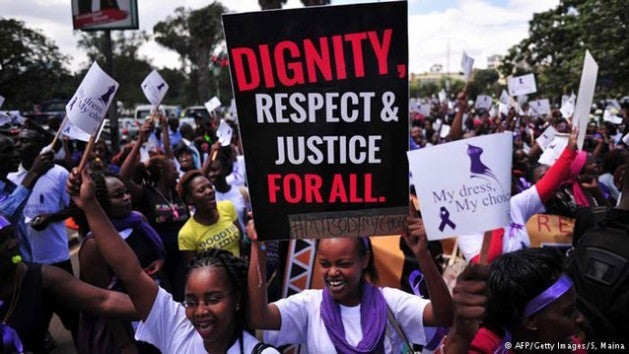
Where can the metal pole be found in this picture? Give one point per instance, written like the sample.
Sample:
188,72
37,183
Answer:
113,108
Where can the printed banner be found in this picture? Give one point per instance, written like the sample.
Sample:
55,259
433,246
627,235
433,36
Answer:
467,188
154,88
521,85
585,97
322,95
87,108
92,15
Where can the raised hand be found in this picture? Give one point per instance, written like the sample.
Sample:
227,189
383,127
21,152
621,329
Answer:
81,187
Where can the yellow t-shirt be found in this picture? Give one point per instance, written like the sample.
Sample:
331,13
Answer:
223,234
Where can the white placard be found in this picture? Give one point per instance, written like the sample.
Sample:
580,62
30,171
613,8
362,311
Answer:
609,117
585,96
541,107
224,133
546,137
505,99
442,95
1,101
554,149
567,106
154,88
521,85
445,130
424,109
467,188
88,107
483,102
467,63
72,132
212,104
436,125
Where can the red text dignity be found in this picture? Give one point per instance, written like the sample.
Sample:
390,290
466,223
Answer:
290,63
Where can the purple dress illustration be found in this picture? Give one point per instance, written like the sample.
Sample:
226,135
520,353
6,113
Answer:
478,168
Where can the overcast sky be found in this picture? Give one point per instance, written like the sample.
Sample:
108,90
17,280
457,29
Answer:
480,27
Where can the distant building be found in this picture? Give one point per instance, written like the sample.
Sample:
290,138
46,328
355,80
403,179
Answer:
494,61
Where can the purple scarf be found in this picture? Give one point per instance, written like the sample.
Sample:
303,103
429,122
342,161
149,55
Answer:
373,320
138,222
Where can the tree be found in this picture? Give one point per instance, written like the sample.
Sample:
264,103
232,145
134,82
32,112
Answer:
194,34
31,67
129,68
557,41
484,81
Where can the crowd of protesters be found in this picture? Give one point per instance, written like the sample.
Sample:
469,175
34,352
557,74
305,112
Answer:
167,238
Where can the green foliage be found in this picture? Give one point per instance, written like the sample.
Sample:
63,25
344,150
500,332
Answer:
557,42
484,82
31,67
194,35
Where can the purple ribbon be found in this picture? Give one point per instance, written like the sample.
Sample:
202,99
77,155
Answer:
10,338
549,295
444,214
414,283
512,227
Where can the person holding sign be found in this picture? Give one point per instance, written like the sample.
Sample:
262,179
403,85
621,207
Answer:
99,334
522,206
212,317
28,292
350,315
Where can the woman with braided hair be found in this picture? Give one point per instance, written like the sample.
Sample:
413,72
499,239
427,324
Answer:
215,297
99,334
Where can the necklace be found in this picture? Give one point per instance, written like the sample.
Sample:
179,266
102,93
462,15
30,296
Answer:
17,288
169,201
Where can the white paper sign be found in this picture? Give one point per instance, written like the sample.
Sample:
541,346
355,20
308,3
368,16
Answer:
483,102
424,109
567,106
554,149
88,107
585,96
467,63
1,101
224,133
72,132
445,130
212,104
154,88
13,117
505,99
609,117
521,85
467,188
546,137
442,95
540,107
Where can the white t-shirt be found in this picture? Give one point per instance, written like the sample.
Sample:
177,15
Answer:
523,205
49,195
302,322
167,328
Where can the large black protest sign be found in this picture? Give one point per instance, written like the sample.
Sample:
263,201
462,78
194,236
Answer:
322,100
